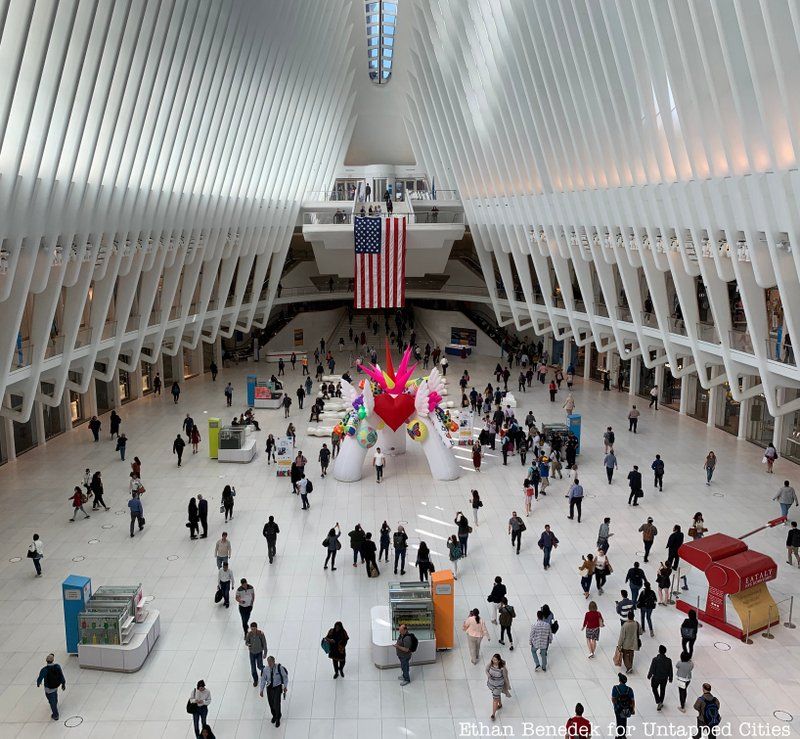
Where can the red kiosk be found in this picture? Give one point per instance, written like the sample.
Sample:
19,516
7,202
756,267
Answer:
734,570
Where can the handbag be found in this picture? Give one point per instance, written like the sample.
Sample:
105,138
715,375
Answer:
618,657
325,644
191,707
692,531
218,595
222,509
31,554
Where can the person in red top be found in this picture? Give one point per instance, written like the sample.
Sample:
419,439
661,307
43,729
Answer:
77,503
592,622
578,725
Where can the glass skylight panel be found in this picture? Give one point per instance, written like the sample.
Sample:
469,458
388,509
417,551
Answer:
381,21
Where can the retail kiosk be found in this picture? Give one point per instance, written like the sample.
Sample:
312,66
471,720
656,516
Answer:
236,444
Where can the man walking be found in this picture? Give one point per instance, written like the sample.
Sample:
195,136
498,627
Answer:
649,533
673,545
229,395
257,649
610,463
633,418
378,461
786,497
276,680
225,578
301,394
708,718
188,425
202,513
270,533
53,677
287,403
540,637
214,370
654,396
137,512
628,642
575,496
404,647
635,578
515,527
324,459
603,535
658,472
635,483
245,597
792,544
608,440
623,700
659,674
222,549
177,447
547,542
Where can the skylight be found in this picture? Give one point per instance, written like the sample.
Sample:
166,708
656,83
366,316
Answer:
381,20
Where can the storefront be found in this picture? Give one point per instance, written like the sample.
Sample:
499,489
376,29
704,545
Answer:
624,375
761,425
697,407
53,419
124,386
671,388
647,378
727,415
24,433
557,355
208,356
577,357
104,392
190,368
3,454
598,363
790,446
147,377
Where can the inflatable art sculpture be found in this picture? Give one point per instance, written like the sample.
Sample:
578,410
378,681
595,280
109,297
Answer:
387,408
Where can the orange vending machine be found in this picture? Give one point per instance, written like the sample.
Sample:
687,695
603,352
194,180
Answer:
443,599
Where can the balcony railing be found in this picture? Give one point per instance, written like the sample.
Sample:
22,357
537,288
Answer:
624,313
780,351
328,196
741,341
707,332
649,319
341,218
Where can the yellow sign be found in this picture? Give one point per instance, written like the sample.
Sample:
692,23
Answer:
759,603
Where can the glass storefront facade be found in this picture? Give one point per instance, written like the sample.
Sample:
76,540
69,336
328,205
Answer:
53,418
670,389
103,391
761,425
124,387
647,378
699,408
147,377
24,433
727,417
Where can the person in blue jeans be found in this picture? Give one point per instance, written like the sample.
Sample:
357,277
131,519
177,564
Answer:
786,497
200,697
540,637
53,677
635,578
257,647
403,649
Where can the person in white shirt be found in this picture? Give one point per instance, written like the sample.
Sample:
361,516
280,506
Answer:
275,678
200,697
378,462
225,578
245,597
36,552
302,487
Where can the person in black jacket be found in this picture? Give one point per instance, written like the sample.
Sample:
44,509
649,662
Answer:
400,543
194,518
178,447
792,544
463,531
646,605
385,540
368,550
202,514
94,427
356,540
96,486
635,483
689,629
659,674
496,596
673,545
337,639
271,532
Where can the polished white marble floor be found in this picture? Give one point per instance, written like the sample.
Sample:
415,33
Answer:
297,601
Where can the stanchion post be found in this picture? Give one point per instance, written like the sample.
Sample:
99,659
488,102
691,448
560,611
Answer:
768,633
789,624
747,639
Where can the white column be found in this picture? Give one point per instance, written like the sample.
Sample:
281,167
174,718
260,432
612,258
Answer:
744,410
218,351
115,395
37,418
779,426
587,362
634,378
684,401
7,430
90,400
177,367
64,410
713,401
659,377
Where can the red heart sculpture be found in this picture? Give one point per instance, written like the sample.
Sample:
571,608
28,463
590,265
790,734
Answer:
394,410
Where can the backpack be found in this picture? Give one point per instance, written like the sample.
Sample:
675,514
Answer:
397,540
414,642
325,542
309,487
710,712
611,437
624,703
687,632
51,678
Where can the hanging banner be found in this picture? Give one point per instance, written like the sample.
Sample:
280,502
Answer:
283,455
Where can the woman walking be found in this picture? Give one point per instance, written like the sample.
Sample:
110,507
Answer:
592,622
270,450
697,529
464,530
506,615
476,631
136,468
385,540
200,698
588,569
423,561
770,455
602,569
194,437
194,519
664,581
333,545
36,553
477,456
122,443
78,498
227,501
176,392
683,676
497,682
476,503
689,629
569,404
529,491
646,605
454,550
96,487
337,639
709,466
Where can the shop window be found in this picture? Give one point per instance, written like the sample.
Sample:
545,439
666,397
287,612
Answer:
147,377
24,433
53,419
761,425
728,411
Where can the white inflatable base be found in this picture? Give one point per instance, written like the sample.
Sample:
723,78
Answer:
319,430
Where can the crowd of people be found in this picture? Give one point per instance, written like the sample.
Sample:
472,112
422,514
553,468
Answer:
545,456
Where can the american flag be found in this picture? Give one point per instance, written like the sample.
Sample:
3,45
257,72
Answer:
380,269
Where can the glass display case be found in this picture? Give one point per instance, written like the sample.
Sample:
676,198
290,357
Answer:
411,604
106,622
131,593
231,437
